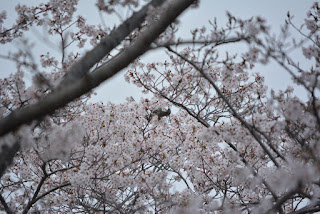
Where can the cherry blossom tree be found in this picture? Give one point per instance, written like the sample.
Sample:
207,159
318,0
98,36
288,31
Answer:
210,138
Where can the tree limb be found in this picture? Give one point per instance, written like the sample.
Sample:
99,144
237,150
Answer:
5,205
232,110
79,69
6,156
70,92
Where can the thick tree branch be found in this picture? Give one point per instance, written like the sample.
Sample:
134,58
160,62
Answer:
7,153
5,205
79,69
69,92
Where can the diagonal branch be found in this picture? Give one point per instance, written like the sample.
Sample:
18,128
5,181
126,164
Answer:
232,110
78,70
40,184
5,205
69,92
312,208
51,190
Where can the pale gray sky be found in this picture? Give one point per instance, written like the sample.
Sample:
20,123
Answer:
116,89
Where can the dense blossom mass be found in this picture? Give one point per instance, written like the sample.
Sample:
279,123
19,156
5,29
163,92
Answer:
210,138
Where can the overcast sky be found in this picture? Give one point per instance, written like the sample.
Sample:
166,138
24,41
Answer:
116,89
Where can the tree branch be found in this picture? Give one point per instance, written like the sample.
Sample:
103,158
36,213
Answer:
51,190
232,110
6,156
201,42
69,92
33,200
78,70
284,198
308,209
5,205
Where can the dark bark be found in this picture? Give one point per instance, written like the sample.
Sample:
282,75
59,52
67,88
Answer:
69,92
6,156
78,84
